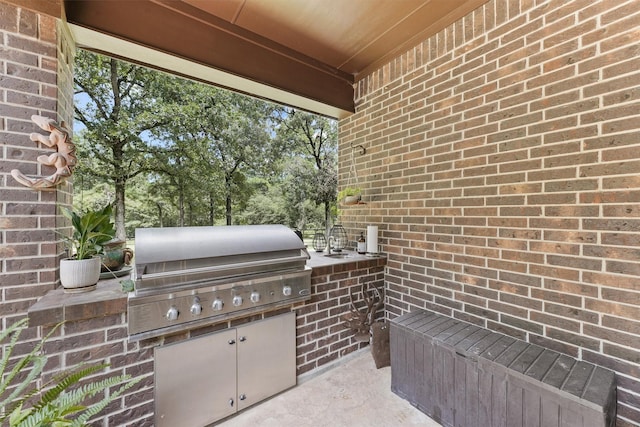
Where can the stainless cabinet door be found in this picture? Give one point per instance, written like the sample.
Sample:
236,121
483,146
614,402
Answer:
196,380
266,358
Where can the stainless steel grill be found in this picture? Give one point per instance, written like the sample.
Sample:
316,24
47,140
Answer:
189,276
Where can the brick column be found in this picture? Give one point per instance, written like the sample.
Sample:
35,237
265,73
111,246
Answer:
36,58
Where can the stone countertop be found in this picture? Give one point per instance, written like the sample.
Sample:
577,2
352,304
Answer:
318,259
108,298
57,305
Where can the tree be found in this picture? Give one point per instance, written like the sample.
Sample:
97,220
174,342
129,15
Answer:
192,154
235,141
117,103
315,138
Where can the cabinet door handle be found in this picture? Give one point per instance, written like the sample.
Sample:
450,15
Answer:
231,402
243,339
232,342
242,397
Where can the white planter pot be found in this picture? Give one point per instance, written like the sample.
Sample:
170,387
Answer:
79,275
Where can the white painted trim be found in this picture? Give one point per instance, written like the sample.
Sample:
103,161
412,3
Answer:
94,40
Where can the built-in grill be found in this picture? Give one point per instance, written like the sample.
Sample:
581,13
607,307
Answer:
190,276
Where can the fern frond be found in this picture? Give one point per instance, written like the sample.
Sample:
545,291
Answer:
17,415
17,328
99,406
12,400
33,357
59,401
73,397
14,339
46,416
68,379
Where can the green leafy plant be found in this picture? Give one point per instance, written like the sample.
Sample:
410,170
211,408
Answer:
349,195
58,399
349,191
91,230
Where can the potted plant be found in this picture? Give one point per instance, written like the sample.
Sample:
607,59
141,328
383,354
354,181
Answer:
114,257
350,196
91,231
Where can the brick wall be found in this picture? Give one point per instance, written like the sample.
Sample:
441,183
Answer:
30,71
104,339
502,170
36,58
321,334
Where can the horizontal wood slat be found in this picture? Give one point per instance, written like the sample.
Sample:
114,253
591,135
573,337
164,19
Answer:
462,375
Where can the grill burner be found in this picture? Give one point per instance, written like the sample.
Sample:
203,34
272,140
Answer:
191,276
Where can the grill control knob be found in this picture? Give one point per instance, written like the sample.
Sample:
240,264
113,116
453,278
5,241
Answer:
237,300
217,304
172,313
196,307
286,291
255,296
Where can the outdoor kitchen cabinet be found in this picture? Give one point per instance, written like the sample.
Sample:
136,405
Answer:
205,379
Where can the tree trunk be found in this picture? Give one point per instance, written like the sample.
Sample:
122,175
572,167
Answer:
181,205
228,199
160,220
327,214
228,209
212,209
121,233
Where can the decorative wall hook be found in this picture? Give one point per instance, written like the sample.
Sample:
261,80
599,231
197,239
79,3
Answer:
359,147
64,160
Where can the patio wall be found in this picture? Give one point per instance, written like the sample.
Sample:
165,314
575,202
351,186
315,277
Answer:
502,168
35,78
32,66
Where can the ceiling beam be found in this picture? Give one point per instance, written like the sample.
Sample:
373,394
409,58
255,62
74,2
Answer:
208,41
137,54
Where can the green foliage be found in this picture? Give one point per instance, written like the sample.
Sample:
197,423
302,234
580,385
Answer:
61,401
303,186
186,153
314,139
91,230
349,191
264,209
117,104
91,195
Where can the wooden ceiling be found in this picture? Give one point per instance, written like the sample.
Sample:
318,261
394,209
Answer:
310,49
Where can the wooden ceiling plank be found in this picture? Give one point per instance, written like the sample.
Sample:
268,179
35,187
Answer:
420,32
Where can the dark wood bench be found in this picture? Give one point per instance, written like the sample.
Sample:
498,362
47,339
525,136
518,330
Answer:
463,375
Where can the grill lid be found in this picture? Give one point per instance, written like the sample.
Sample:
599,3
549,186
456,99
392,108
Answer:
177,256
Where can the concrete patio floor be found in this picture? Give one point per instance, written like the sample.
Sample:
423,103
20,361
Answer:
352,393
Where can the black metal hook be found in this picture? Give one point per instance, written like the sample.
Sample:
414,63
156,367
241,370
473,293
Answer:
360,147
